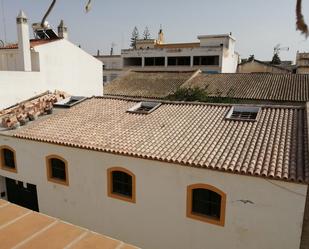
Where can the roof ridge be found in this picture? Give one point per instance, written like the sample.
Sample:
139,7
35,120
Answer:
137,99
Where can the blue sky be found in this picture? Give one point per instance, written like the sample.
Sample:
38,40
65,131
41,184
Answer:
258,25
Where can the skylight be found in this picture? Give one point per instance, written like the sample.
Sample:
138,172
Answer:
243,113
69,102
144,107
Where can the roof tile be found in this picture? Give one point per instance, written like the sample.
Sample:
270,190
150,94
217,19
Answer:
147,84
198,135
255,86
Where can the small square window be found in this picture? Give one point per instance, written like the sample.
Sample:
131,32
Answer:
7,159
121,184
57,170
206,203
69,102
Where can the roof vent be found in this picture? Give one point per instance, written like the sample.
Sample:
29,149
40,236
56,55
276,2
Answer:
243,113
70,101
144,107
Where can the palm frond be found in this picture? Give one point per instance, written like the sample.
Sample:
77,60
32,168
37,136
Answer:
88,6
300,22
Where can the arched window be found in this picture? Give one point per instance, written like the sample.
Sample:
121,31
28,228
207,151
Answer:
57,169
121,184
8,159
206,203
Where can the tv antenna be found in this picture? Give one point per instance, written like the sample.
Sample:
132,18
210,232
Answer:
277,49
112,48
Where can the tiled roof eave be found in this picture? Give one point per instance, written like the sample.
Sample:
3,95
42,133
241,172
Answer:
149,157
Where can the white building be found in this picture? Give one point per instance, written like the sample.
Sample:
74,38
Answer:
212,54
175,175
112,67
35,66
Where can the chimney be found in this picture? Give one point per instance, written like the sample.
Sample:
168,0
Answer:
160,36
63,31
24,53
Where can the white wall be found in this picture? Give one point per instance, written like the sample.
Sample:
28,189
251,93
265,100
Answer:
228,59
61,65
18,86
8,59
214,41
67,67
158,219
229,62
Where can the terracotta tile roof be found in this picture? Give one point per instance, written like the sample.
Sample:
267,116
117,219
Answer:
250,86
30,109
197,135
147,84
33,43
22,228
256,86
284,66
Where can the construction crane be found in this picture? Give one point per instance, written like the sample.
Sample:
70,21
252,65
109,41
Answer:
277,49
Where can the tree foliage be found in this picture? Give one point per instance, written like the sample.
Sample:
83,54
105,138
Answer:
134,37
200,95
300,22
276,59
189,94
146,34
251,57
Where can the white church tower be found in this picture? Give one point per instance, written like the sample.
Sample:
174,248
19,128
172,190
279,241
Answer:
24,54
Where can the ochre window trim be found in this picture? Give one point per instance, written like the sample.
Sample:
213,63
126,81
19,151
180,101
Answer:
49,171
2,164
110,185
201,217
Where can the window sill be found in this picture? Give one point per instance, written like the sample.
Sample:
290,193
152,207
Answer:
205,218
58,181
13,170
122,197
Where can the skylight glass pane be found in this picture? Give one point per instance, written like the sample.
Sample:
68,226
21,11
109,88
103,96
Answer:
245,113
144,107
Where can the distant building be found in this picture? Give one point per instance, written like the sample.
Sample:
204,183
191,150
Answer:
257,66
112,67
31,67
267,88
302,63
213,54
